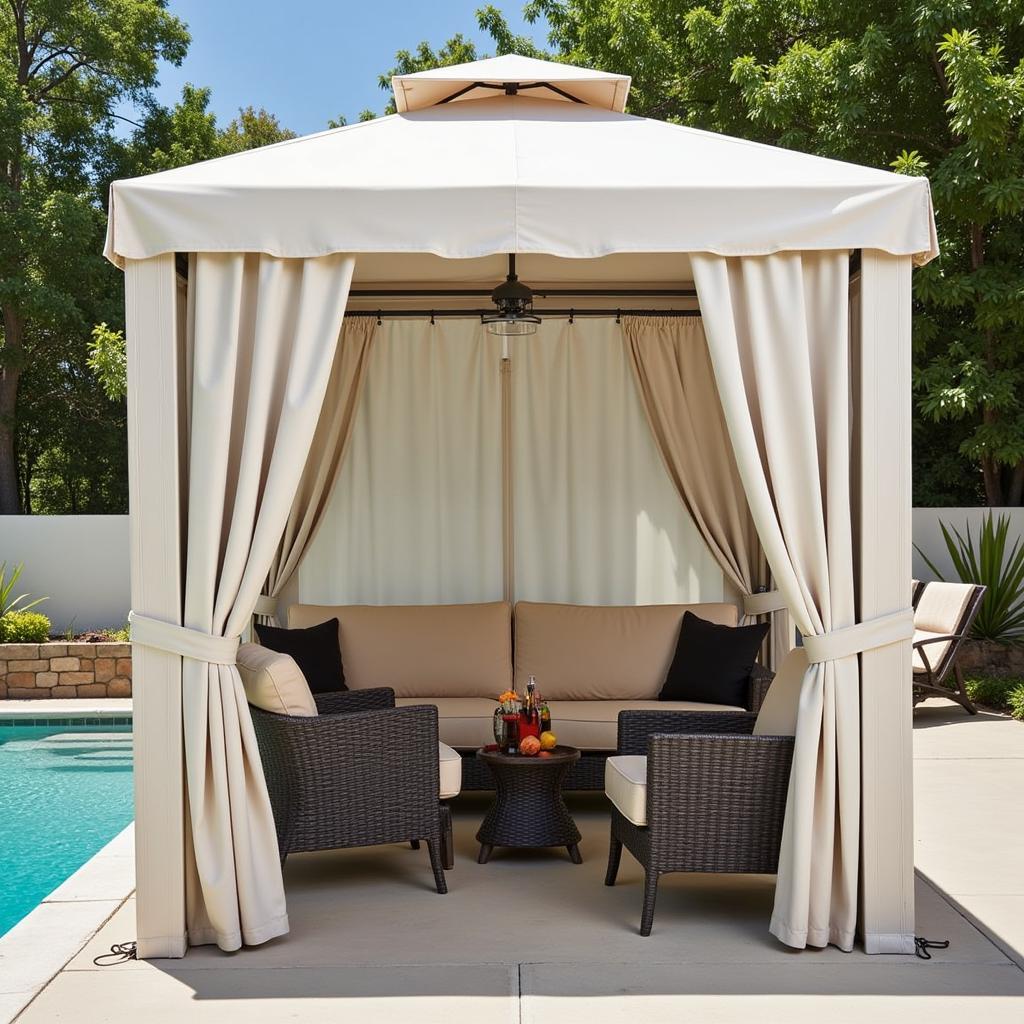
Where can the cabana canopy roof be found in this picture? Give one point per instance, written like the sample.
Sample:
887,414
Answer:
532,172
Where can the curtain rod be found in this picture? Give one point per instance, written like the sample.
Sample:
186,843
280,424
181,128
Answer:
409,293
571,314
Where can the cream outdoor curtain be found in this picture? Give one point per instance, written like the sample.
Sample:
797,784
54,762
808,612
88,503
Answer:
324,460
416,512
672,368
596,518
777,331
262,334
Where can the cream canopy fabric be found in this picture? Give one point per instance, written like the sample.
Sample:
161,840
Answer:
518,174
438,85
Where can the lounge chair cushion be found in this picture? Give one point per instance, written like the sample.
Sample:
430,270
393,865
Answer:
625,784
274,682
451,771
935,652
467,722
581,652
941,607
458,650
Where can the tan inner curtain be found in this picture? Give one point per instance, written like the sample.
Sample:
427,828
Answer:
325,457
672,369
262,334
777,331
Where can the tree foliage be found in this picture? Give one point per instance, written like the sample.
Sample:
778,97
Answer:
70,70
930,87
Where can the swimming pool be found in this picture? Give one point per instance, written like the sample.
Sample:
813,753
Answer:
65,791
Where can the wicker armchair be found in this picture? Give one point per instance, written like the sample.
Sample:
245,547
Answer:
715,797
362,773
943,615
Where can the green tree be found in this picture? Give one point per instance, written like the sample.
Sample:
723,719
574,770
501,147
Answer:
921,86
167,137
65,67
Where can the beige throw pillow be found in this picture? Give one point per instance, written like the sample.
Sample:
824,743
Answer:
274,682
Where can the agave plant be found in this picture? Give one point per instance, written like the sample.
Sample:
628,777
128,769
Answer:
8,603
1001,616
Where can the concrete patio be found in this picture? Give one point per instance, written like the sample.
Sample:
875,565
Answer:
531,937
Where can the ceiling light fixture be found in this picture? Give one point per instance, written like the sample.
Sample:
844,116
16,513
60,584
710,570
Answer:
515,306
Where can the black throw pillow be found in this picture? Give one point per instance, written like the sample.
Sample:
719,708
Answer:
316,650
712,663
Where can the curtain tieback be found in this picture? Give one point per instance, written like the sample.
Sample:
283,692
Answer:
864,636
189,643
764,603
265,605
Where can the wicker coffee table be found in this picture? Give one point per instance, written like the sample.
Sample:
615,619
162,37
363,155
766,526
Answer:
528,809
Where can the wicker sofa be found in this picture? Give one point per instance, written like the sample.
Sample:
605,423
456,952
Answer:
590,664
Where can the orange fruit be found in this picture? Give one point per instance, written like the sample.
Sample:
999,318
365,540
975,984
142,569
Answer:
530,746
548,741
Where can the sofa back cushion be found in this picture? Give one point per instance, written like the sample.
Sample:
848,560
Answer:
454,650
582,652
274,682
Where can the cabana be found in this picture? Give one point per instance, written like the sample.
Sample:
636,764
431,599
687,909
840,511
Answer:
793,480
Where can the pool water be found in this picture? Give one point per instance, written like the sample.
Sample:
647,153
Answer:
65,792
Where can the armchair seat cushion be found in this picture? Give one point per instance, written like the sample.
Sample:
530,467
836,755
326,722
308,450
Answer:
451,771
625,784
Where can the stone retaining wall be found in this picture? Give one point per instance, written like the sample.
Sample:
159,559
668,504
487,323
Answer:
986,658
65,670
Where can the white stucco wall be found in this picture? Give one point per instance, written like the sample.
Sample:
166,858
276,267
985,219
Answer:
79,562
928,534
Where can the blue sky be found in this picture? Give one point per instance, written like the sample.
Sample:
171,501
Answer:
309,60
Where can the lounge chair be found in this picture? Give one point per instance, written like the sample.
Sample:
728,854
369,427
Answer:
943,615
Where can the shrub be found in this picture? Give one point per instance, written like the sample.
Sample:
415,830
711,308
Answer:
999,694
1001,616
8,603
117,636
1016,702
24,628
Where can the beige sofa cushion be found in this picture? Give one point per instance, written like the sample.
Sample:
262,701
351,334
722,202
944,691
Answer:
458,650
467,722
580,652
462,722
594,724
274,682
625,784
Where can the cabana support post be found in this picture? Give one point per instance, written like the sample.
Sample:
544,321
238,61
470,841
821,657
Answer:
882,465
154,320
